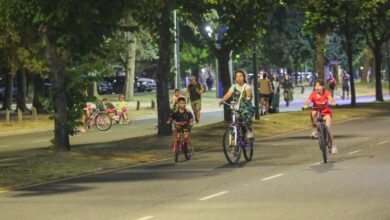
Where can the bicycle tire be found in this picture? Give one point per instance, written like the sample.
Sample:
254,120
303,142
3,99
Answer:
231,147
187,151
103,122
248,151
177,151
323,143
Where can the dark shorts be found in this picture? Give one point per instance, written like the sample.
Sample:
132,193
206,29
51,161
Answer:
264,96
346,88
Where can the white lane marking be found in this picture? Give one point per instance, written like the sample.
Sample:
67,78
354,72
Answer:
146,217
272,177
354,152
212,196
383,142
42,140
315,164
7,145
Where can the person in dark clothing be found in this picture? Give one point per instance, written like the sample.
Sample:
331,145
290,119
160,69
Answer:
194,92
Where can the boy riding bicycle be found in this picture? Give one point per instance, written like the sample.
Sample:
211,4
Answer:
183,121
320,97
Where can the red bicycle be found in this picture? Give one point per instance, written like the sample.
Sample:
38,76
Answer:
180,145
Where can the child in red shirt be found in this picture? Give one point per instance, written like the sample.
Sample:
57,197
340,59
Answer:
320,98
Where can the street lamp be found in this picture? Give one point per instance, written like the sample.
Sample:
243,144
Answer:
209,31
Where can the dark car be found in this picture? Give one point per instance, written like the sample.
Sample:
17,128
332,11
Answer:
145,84
105,87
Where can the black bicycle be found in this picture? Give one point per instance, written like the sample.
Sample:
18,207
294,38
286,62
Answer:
322,133
234,139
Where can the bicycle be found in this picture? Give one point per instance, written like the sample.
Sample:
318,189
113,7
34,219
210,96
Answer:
101,119
322,134
180,145
234,139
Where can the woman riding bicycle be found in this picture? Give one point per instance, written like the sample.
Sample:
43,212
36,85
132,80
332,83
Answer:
183,121
320,97
241,93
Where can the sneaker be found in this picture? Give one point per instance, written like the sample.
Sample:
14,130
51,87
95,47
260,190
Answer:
314,135
334,149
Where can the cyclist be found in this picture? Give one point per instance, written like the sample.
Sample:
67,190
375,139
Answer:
241,93
121,109
87,111
320,98
184,121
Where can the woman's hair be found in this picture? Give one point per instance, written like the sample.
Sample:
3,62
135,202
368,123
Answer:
265,75
320,81
177,90
243,74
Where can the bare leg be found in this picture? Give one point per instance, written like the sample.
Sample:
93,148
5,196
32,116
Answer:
313,118
328,124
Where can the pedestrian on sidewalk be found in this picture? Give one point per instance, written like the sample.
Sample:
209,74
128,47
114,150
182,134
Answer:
288,90
265,90
194,92
346,84
331,84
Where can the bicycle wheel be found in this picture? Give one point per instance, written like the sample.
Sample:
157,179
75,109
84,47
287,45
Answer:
177,151
231,146
187,151
248,151
103,121
322,140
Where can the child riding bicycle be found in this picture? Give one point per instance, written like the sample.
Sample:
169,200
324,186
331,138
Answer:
184,121
320,98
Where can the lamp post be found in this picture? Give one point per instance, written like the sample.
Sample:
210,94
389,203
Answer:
255,83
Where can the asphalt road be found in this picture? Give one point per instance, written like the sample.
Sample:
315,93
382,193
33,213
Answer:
285,180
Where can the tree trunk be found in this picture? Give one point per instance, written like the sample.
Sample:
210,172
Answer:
57,69
22,85
7,102
224,76
163,68
92,90
378,74
320,55
30,87
39,93
130,68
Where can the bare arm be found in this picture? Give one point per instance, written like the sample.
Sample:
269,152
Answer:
331,99
248,93
226,96
306,105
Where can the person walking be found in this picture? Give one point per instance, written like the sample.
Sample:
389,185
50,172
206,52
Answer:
194,92
346,84
265,91
287,90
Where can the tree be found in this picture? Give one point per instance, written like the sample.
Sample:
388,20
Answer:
349,29
375,22
69,30
320,18
156,16
236,23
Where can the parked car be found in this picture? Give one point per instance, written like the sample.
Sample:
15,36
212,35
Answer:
145,84
105,87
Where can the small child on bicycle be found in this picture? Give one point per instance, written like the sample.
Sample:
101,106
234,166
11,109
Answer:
87,111
121,109
320,98
184,121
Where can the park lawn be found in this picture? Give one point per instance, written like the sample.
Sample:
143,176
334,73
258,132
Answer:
43,165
